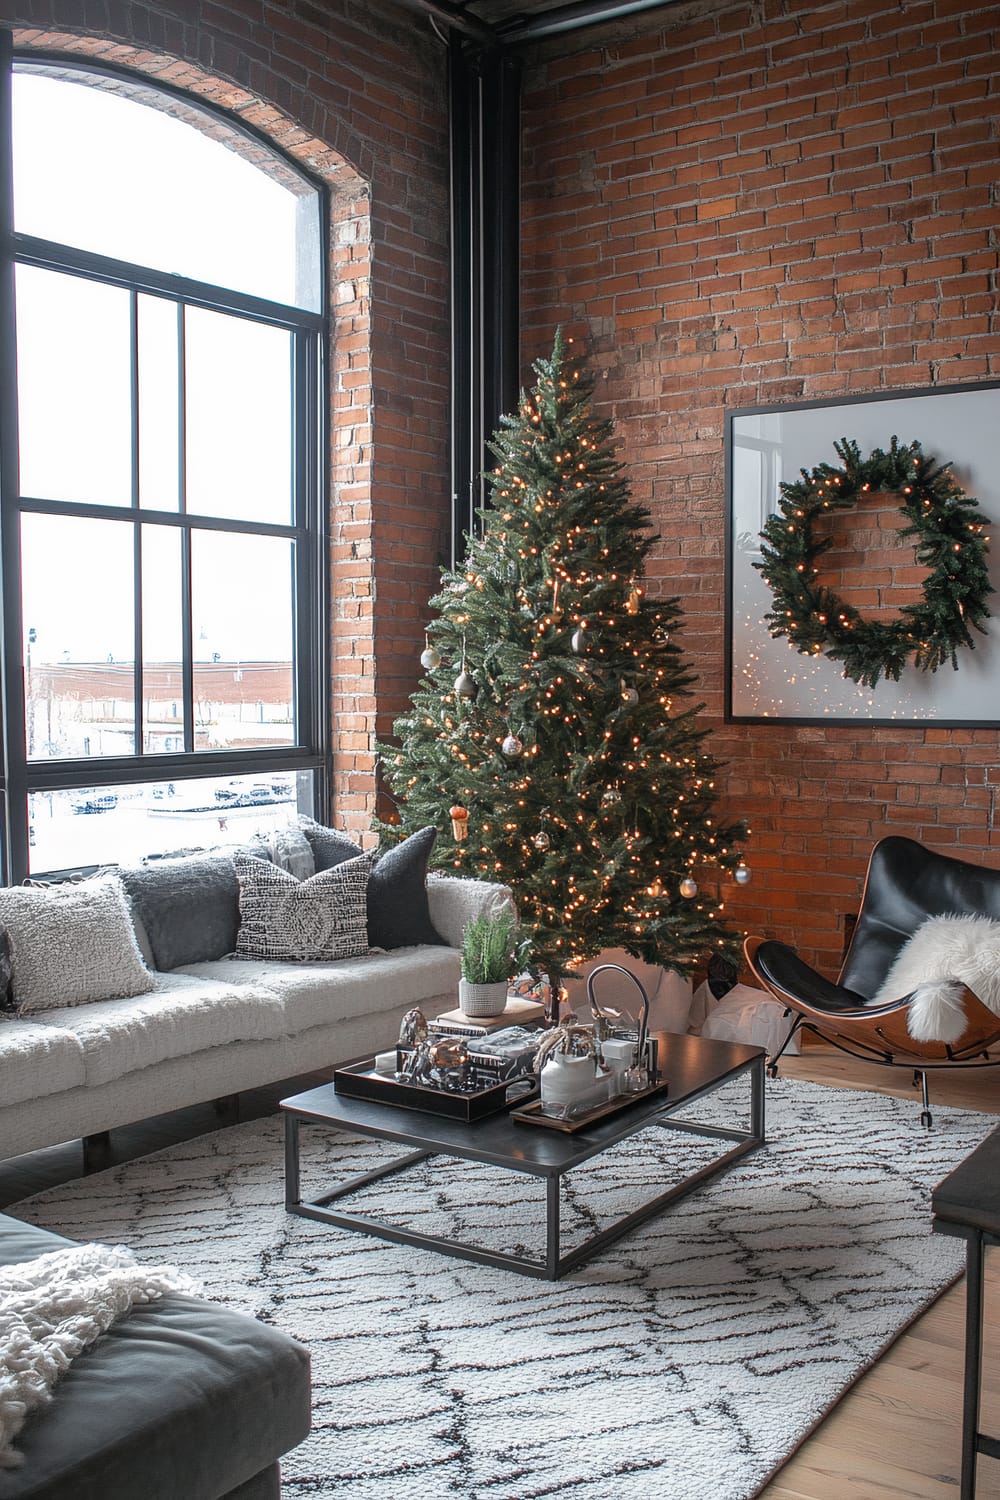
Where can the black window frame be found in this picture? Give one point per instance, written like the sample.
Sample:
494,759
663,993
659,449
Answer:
308,528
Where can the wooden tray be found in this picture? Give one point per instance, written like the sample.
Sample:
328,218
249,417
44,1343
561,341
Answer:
531,1114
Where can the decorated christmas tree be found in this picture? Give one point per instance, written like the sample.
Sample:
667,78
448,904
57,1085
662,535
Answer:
551,741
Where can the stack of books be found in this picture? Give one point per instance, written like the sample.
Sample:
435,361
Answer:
519,1011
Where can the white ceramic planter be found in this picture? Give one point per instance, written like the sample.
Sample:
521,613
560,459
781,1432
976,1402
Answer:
482,1001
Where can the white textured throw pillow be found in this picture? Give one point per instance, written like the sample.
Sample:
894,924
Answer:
71,944
944,956
302,921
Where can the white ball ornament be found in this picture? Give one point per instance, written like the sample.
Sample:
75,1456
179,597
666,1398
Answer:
578,642
688,888
742,874
430,658
512,746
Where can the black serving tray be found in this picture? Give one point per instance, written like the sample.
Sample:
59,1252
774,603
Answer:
360,1081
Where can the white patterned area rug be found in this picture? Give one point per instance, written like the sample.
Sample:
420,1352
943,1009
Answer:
685,1362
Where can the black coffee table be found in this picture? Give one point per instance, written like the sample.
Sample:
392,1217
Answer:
692,1067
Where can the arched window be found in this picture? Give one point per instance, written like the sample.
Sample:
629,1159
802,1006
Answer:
162,520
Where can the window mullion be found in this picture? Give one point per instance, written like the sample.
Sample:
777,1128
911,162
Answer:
138,736
187,625
15,844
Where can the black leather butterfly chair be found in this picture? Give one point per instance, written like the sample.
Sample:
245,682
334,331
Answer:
905,885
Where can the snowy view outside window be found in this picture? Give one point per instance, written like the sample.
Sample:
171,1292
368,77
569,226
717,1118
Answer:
160,519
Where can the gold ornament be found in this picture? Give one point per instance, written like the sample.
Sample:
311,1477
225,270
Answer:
688,888
459,823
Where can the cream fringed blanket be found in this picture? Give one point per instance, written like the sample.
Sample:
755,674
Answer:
51,1308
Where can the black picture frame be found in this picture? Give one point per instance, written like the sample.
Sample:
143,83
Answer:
766,679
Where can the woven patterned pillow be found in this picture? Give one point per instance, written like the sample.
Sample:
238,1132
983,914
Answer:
302,921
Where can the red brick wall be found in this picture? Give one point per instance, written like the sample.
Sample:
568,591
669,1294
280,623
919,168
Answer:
751,204
356,92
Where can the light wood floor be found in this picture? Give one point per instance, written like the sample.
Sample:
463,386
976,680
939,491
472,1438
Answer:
897,1432
894,1436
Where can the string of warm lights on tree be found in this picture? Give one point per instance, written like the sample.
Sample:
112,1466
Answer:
552,741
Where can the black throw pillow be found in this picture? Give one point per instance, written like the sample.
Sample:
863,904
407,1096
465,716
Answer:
329,847
398,913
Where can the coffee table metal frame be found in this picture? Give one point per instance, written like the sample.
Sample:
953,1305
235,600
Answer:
693,1067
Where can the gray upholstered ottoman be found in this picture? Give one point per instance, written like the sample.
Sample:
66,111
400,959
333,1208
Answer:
181,1400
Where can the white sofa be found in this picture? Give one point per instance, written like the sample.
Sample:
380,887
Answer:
212,1028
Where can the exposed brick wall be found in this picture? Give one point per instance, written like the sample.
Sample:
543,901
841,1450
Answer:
750,204
356,93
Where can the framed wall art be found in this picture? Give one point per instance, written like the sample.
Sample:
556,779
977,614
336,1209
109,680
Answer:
833,614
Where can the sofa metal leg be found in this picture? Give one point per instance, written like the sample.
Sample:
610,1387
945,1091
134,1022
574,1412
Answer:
97,1151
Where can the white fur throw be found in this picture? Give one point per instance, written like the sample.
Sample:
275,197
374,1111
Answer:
51,1308
945,955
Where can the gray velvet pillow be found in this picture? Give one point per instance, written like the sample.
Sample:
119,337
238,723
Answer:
189,908
7,1002
398,913
329,847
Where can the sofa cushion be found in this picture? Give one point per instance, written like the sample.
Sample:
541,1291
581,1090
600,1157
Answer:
37,1060
316,994
453,903
299,921
182,1016
189,908
181,1398
71,944
398,913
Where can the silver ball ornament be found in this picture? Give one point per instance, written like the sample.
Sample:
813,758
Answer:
430,658
512,746
688,888
465,684
578,641
541,839
629,697
742,874
611,797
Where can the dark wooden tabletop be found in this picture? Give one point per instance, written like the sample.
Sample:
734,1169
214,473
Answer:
691,1066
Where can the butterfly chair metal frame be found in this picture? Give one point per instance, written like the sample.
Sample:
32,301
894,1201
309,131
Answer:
906,884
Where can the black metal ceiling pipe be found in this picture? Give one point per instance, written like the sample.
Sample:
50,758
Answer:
457,15
500,103
464,313
485,126
573,17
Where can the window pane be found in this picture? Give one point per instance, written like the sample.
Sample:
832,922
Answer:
74,388
238,412
130,178
242,610
79,637
159,407
162,642
124,824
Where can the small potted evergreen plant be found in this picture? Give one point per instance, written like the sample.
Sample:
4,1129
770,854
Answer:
490,945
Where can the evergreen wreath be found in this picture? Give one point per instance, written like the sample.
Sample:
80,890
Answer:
948,527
